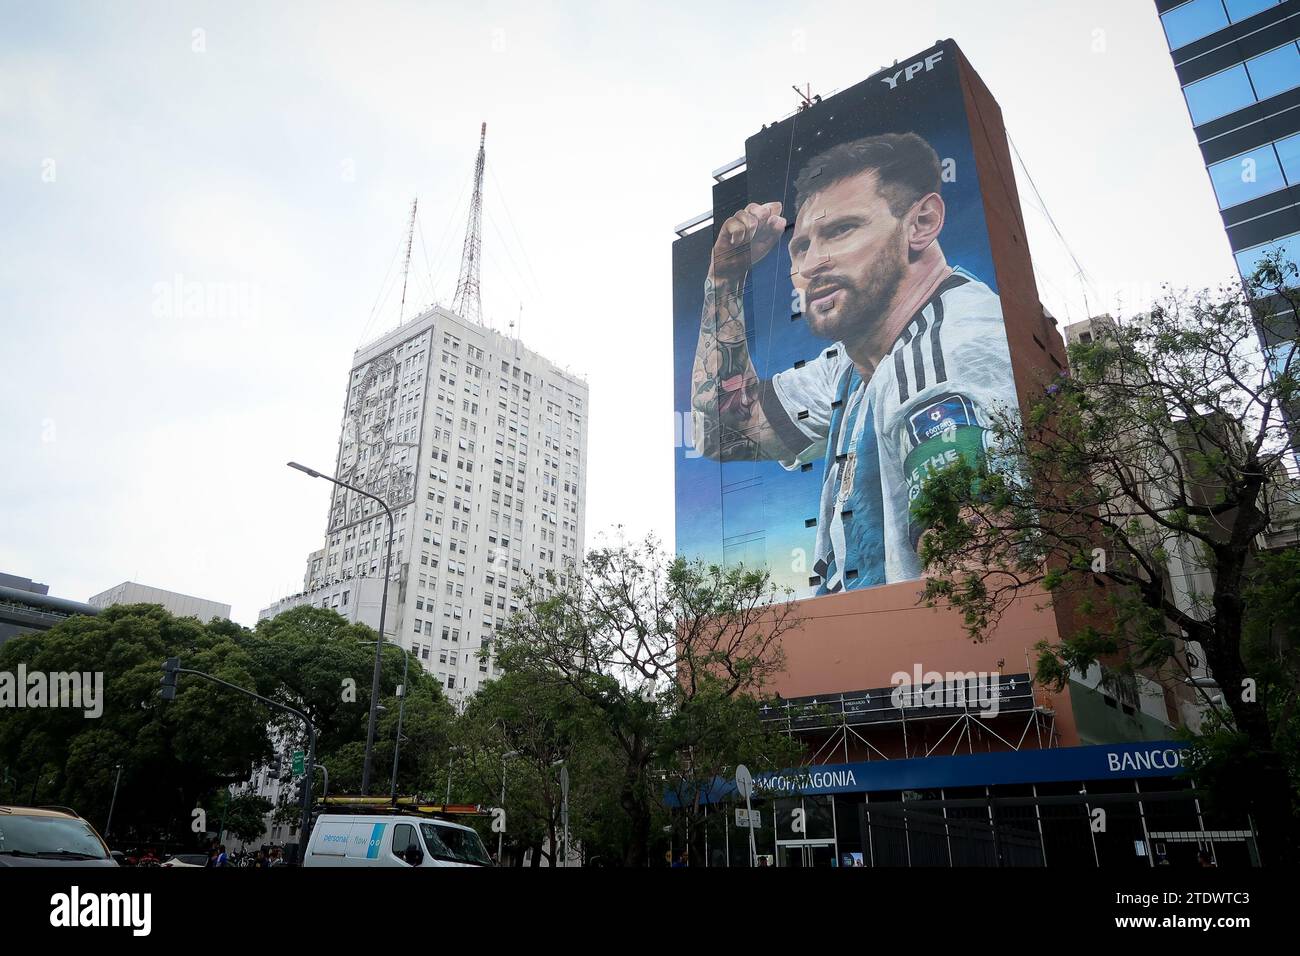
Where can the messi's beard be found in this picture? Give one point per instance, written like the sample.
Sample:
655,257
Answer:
862,308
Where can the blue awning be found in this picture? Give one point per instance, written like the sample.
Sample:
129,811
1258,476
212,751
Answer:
1099,762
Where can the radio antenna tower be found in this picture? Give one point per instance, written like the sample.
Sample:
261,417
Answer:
406,266
466,303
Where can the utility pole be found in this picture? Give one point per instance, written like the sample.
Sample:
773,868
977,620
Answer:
406,266
466,303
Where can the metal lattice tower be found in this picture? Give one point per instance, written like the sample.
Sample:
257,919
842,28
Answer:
466,302
406,266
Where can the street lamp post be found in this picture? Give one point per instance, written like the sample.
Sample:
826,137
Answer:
108,827
564,806
401,710
502,835
383,607
450,753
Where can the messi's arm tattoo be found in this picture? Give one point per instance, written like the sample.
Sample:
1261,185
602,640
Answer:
727,395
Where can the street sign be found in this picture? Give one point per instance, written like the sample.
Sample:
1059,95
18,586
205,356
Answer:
298,762
749,818
744,781
745,784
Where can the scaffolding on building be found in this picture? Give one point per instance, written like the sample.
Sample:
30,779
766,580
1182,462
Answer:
970,704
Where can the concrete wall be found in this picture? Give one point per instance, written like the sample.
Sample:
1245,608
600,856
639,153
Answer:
860,639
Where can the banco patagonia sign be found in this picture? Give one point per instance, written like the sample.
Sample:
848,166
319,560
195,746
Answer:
1127,761
1162,758
828,780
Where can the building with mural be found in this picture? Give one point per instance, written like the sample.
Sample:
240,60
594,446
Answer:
855,309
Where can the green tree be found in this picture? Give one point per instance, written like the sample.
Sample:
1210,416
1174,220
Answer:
540,722
171,755
704,744
1168,442
243,816
321,664
1224,760
650,643
183,754
318,662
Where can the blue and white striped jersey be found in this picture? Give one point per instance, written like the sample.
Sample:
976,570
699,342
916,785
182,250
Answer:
928,401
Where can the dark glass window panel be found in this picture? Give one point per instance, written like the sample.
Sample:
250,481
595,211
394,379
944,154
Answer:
1275,71
1192,21
1288,151
1239,10
1249,259
1246,177
1219,94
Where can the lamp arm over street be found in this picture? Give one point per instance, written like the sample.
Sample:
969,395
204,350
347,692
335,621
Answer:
383,609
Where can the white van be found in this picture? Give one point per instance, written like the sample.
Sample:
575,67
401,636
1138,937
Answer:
354,839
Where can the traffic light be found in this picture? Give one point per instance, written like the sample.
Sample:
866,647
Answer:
277,767
170,669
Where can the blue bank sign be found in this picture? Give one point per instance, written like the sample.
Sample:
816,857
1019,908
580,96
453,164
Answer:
1101,762
1105,761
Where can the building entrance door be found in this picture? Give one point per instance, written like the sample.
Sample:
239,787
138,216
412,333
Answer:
805,854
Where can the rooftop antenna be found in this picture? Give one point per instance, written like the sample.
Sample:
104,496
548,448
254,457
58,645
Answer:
466,302
406,266
805,96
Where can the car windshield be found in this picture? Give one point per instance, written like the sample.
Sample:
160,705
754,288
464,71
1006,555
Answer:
454,844
22,835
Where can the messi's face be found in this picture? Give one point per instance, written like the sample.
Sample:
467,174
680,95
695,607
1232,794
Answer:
847,256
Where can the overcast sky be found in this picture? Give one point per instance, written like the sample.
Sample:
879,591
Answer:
270,152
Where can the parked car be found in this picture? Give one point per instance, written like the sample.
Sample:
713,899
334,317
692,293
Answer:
187,861
49,836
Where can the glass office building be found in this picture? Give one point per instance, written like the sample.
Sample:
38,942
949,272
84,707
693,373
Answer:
1238,63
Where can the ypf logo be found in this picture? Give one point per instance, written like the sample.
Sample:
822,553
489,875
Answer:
908,72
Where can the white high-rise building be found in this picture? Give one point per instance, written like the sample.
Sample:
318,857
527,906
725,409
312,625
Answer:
479,447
